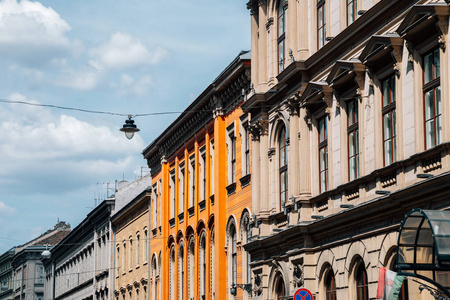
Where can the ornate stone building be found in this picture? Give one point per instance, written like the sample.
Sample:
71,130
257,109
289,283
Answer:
350,127
80,265
201,194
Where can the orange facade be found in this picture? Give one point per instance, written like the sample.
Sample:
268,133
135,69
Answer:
200,192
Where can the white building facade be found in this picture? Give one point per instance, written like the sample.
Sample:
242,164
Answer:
350,124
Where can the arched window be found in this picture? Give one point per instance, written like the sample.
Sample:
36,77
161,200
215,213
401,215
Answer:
330,286
233,253
283,162
362,292
191,268
281,37
211,247
202,265
181,272
154,273
172,272
280,289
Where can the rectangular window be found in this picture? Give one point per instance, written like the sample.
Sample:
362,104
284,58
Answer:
138,250
432,98
231,155
389,121
155,205
181,187
203,173
323,154
321,23
192,180
211,152
353,139
281,35
172,193
352,11
247,150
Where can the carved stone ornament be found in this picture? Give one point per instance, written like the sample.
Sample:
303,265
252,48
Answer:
410,48
443,27
264,125
298,275
397,54
255,131
293,104
257,286
269,23
359,79
328,98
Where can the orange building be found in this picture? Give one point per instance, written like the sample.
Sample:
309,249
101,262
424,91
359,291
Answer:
201,194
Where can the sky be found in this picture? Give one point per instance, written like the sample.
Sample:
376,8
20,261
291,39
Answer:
121,57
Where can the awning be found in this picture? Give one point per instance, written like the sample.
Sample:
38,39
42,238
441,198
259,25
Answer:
424,246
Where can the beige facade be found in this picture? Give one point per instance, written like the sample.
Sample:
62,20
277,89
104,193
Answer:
349,117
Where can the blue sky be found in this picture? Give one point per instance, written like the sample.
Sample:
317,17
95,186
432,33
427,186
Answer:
127,57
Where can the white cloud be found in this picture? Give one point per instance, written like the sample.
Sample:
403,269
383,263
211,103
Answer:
125,51
130,86
5,209
43,152
32,33
85,79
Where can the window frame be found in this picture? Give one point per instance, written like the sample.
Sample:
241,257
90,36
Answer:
330,286
354,10
361,282
281,35
389,109
353,135
283,160
321,26
434,86
323,145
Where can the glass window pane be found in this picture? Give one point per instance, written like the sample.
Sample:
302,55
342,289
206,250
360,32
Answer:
406,255
443,245
437,65
387,152
424,255
408,237
392,88
425,237
428,67
429,127
387,126
351,143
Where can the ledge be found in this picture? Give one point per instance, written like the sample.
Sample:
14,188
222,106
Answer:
181,217
191,211
231,189
245,180
172,222
202,205
212,199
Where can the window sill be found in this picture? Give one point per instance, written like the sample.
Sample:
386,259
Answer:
137,267
245,180
202,205
130,270
191,211
231,189
144,263
181,217
172,222
212,199
154,231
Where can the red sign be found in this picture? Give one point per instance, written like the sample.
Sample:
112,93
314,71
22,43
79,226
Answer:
303,294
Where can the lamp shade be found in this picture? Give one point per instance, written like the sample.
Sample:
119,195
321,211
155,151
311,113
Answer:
129,128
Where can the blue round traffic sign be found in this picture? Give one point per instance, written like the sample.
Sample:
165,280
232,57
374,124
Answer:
303,294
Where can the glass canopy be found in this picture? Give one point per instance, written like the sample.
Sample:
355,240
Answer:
424,246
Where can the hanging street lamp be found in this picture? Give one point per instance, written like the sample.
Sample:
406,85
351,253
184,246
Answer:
129,128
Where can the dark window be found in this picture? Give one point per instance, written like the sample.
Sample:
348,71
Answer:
280,290
353,139
432,98
389,121
247,151
352,10
330,286
321,23
362,292
233,254
281,34
323,154
283,161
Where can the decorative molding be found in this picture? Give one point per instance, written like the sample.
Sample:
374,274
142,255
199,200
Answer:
410,48
328,99
397,55
293,104
298,274
443,27
257,286
269,23
359,79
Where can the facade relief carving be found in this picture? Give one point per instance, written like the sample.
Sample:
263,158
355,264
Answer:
359,79
397,55
443,27
298,273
